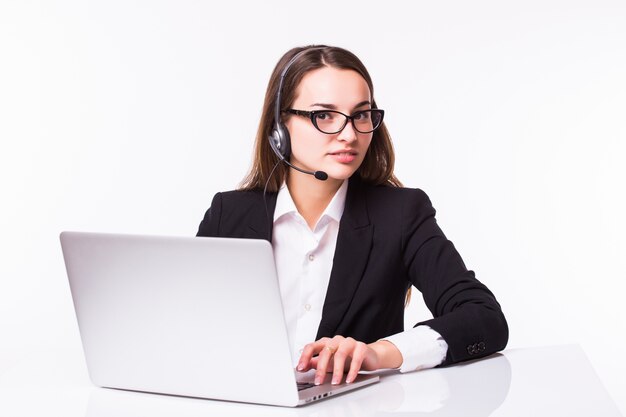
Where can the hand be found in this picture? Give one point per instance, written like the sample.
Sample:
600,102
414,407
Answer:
341,353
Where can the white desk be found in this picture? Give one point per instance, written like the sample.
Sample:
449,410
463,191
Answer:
551,381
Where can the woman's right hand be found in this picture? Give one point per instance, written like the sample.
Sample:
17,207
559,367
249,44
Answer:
340,353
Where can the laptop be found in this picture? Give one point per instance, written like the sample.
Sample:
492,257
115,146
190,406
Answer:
188,316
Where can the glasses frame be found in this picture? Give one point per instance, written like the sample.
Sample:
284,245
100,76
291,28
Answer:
311,115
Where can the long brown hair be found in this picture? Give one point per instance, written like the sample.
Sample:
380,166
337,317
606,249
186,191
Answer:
378,164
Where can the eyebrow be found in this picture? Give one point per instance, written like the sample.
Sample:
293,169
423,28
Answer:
333,107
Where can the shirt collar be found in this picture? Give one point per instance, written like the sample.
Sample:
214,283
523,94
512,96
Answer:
337,204
334,210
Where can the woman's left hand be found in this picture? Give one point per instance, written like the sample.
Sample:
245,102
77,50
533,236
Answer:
340,353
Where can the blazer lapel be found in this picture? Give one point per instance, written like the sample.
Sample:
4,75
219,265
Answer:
354,243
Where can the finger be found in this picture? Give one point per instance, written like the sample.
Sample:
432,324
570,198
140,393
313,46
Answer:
313,362
310,349
323,359
342,358
358,356
305,358
339,361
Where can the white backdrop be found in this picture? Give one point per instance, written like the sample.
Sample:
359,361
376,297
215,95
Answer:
127,116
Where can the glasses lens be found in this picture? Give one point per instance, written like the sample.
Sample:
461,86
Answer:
330,121
368,120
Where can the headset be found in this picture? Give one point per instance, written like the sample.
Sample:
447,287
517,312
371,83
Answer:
280,142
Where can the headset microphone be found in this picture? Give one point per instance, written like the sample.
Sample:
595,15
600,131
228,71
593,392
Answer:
320,175
280,142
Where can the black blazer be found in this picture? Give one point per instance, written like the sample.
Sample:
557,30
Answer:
388,239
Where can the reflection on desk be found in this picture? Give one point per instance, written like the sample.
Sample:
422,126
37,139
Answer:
452,391
519,382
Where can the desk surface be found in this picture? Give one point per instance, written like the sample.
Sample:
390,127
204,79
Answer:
549,381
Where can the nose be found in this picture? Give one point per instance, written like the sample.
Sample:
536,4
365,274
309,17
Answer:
348,134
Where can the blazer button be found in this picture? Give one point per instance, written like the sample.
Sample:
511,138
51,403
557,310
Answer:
481,346
470,349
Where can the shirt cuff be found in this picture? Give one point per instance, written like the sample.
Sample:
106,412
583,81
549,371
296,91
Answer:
421,348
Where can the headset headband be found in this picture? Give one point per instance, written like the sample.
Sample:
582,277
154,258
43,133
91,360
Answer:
279,93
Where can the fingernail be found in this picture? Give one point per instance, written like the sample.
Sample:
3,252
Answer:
348,381
335,381
300,366
318,380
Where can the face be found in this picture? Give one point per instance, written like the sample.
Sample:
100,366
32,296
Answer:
339,154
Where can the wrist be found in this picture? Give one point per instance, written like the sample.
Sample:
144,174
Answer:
387,353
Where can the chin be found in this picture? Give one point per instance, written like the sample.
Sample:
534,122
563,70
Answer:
339,174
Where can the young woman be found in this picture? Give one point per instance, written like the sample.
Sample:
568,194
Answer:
349,241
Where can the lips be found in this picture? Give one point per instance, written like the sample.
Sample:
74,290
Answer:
345,156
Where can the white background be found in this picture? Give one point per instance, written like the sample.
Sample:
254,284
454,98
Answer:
127,116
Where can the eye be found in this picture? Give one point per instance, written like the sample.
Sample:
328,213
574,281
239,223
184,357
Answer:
324,116
362,115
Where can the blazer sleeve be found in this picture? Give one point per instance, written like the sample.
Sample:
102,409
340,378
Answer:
465,312
209,226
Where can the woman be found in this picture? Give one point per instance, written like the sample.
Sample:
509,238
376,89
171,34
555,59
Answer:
348,240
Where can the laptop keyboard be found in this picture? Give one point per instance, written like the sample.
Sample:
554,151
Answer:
305,385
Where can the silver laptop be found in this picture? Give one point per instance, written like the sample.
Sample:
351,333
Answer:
198,317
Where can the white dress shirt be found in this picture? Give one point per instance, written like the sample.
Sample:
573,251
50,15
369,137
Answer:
304,260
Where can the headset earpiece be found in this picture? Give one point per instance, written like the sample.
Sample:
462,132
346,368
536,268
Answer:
280,141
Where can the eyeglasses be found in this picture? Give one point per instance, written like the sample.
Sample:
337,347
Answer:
331,121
